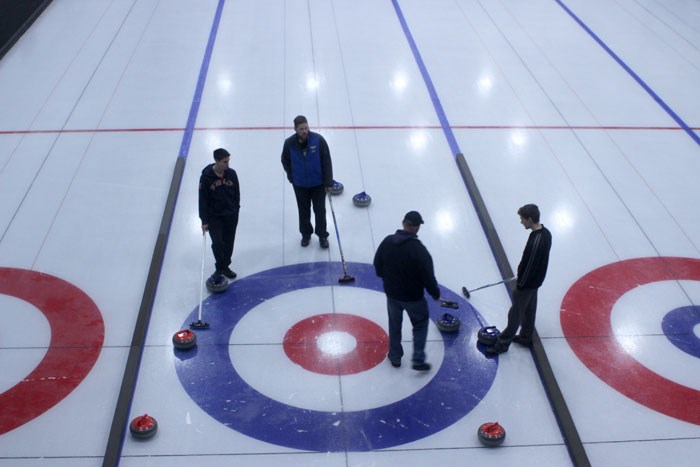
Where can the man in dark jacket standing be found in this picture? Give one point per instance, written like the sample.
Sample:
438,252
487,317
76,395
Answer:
406,269
307,161
531,273
219,203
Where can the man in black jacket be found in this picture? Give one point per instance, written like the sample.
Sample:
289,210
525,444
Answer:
531,273
219,203
406,269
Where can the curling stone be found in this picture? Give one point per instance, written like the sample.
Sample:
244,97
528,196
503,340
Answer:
491,434
361,200
448,323
488,335
143,427
217,285
337,188
184,339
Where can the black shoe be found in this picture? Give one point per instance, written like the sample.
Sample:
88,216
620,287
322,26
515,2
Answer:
394,363
324,242
423,366
228,273
305,241
522,341
496,349
216,279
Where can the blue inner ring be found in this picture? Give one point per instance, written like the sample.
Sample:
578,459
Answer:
678,326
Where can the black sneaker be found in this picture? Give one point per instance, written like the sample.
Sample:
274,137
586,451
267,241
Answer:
228,273
497,348
423,366
305,241
324,242
522,341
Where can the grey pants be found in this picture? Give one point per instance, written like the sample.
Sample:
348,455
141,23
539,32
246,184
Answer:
521,315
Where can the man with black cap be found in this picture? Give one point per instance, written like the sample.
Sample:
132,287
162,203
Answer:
219,203
406,269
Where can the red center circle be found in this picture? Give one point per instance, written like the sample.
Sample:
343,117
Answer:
302,347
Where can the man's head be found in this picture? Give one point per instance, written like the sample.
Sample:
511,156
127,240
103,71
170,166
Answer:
529,215
412,221
222,158
301,127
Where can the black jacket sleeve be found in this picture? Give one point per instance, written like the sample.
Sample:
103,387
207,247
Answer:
429,280
203,201
287,160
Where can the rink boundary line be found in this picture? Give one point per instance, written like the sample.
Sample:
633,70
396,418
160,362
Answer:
120,420
352,128
676,118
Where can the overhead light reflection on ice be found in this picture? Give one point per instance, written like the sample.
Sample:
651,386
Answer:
336,343
312,82
518,138
418,140
484,84
629,342
399,83
444,221
562,220
225,85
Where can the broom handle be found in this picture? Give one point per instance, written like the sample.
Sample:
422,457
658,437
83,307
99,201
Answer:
337,236
201,277
495,283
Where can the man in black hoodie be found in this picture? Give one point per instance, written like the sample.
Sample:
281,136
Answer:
219,203
531,273
406,269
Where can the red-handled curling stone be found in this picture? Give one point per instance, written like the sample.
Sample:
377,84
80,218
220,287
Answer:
143,427
491,434
184,339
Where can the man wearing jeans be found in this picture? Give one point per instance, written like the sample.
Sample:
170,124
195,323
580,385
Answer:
406,269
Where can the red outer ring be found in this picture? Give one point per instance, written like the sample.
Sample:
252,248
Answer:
585,319
77,334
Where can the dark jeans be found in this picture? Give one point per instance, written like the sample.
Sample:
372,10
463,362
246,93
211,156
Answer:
521,315
306,197
418,314
222,231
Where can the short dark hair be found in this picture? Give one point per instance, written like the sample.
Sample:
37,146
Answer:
298,120
221,154
413,218
530,211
